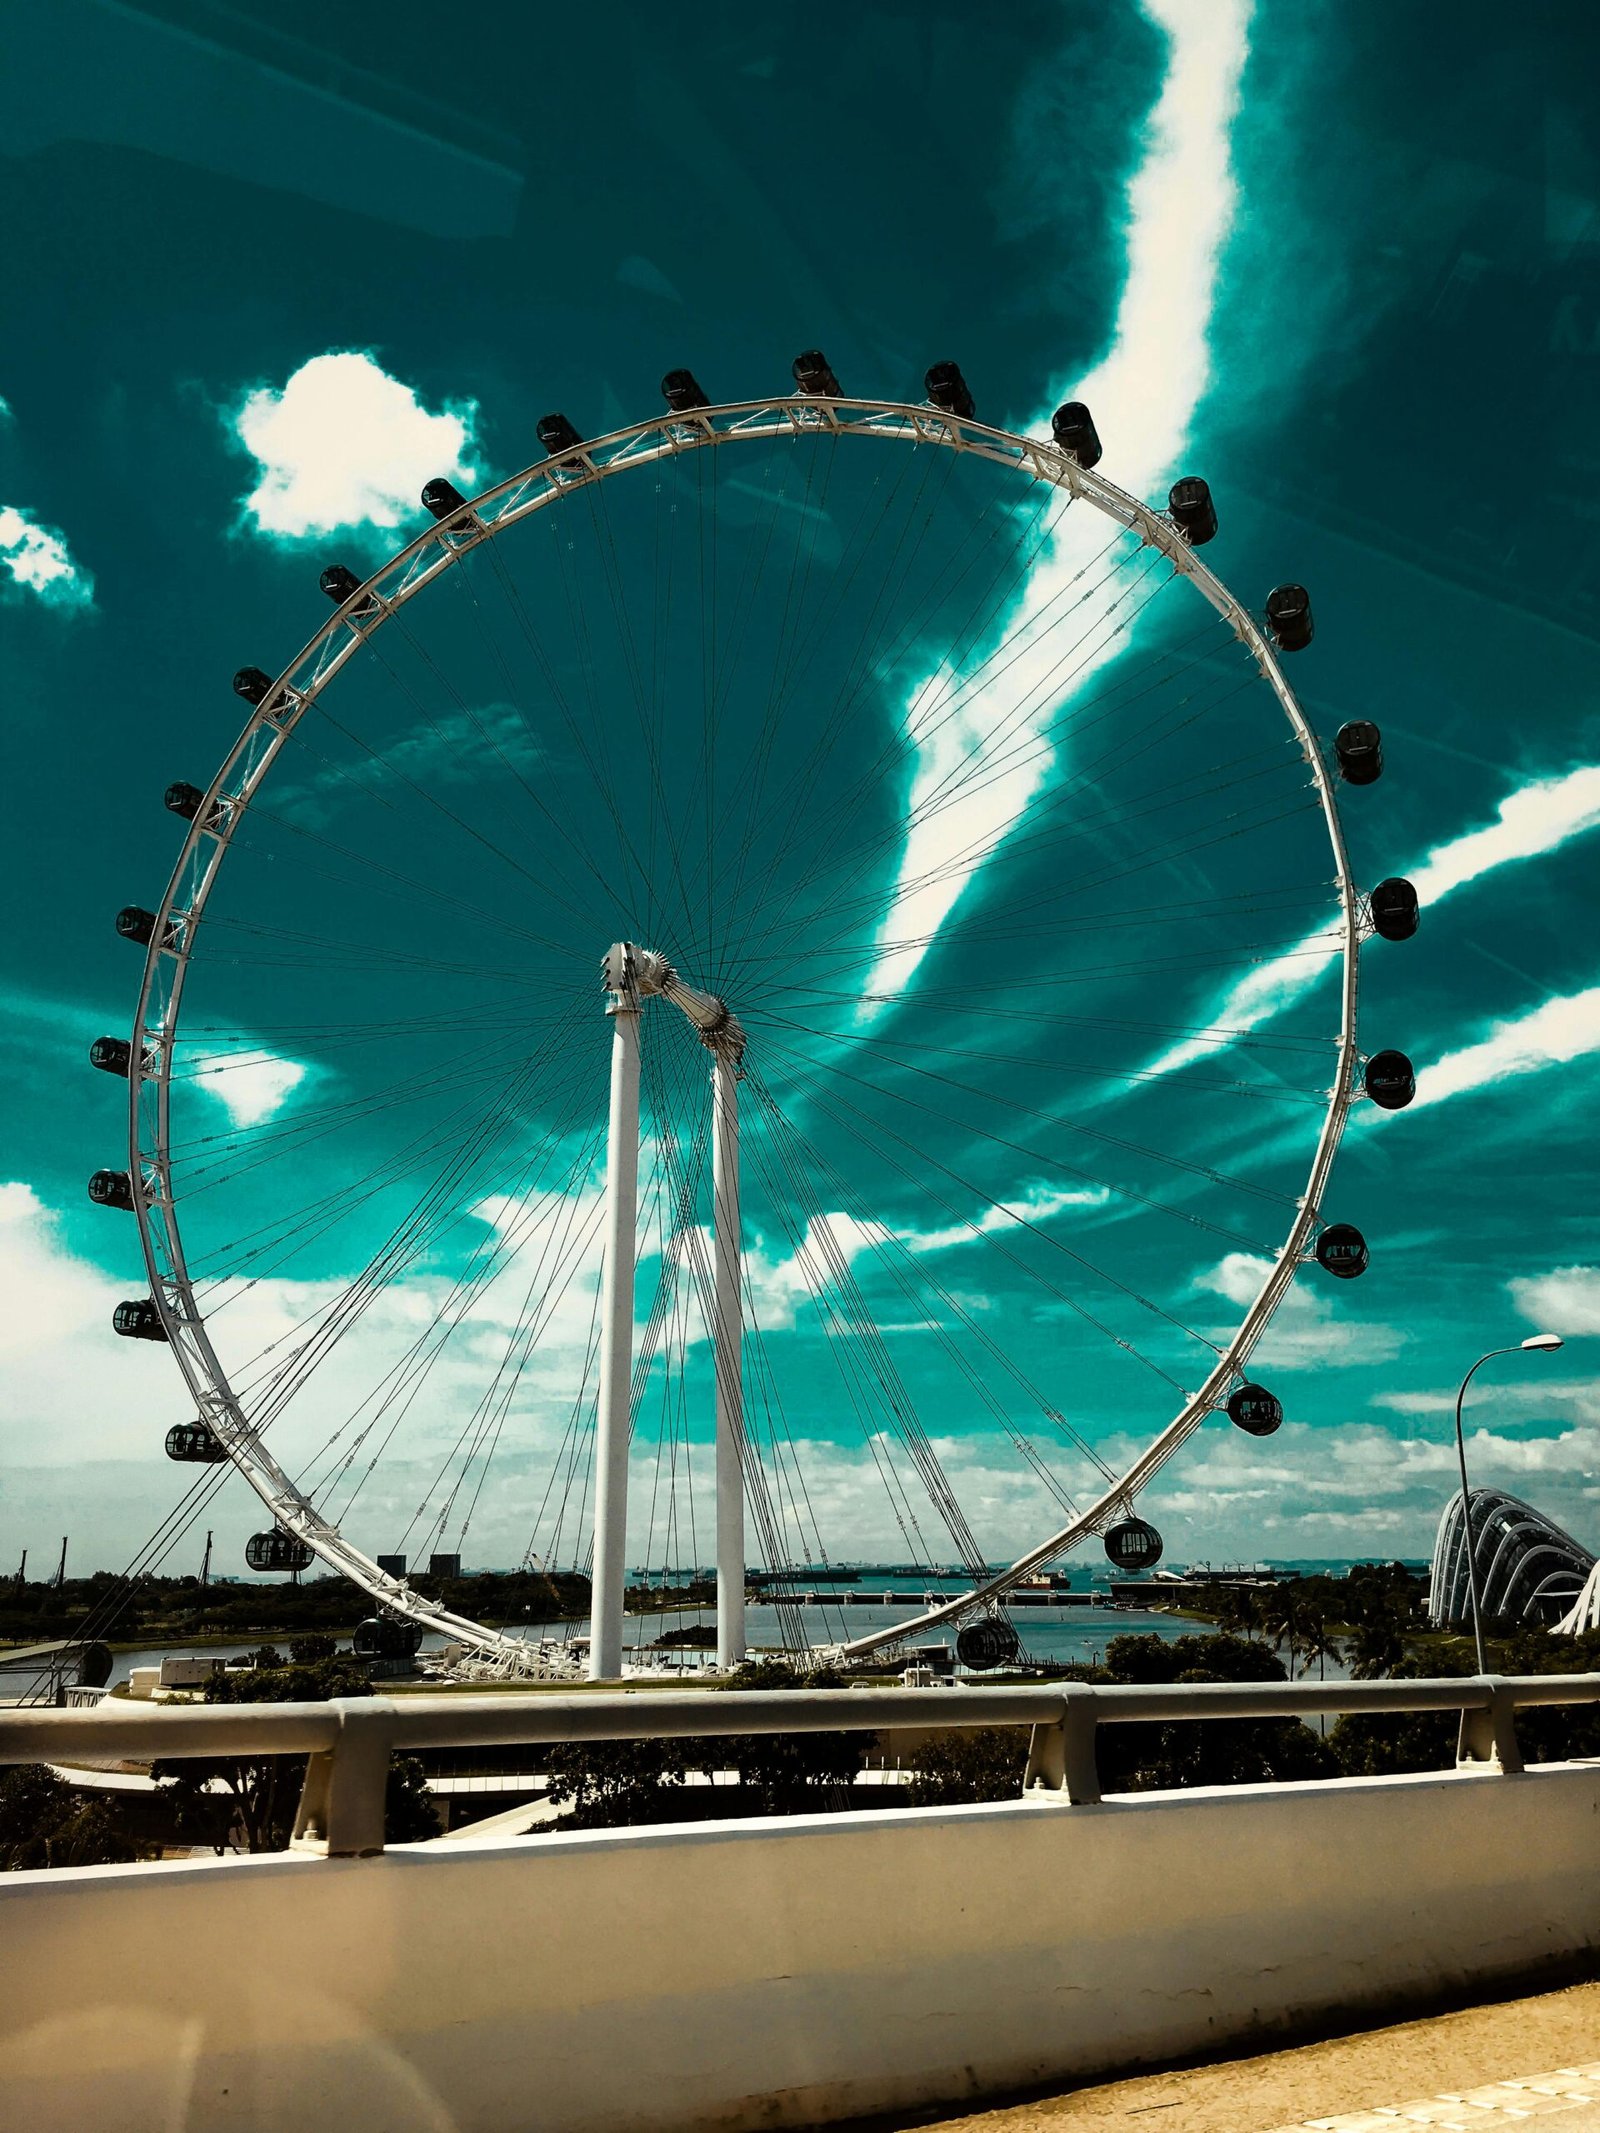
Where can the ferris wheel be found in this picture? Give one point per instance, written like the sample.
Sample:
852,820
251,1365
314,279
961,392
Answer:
917,795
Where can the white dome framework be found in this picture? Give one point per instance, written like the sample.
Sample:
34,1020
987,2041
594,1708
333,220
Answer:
1529,1569
833,968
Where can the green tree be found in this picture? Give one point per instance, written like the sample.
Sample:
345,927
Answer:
1282,1614
1236,1609
615,1784
1218,1751
1377,1647
955,1769
1317,1642
44,1821
265,1790
409,1815
791,1773
1143,1758
1386,1744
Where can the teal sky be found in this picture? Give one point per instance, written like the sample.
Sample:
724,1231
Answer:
270,268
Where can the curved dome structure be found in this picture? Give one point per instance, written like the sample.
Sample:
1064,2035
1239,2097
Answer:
1584,1614
1529,1570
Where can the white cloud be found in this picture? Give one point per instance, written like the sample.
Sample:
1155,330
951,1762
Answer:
50,1296
1144,391
1361,1483
780,1286
1305,1332
1237,1276
250,1085
1552,1035
1418,1403
38,560
1566,1300
452,748
344,444
1534,819
1038,1204
249,1081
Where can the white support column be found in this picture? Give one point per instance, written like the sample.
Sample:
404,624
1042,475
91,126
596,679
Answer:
728,1350
616,1334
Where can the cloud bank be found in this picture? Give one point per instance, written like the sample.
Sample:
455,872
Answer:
1565,1301
343,444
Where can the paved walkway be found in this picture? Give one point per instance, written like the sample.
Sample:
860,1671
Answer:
1477,2069
1570,2093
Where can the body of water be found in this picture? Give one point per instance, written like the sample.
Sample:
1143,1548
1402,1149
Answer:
1078,1634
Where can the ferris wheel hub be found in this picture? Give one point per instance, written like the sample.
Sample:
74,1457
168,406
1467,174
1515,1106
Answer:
632,974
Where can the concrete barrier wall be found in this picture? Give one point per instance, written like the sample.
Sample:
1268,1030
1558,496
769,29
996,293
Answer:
769,1973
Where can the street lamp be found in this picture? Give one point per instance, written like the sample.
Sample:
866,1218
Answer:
1541,1343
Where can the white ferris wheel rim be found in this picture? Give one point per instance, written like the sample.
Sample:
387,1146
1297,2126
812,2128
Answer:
299,685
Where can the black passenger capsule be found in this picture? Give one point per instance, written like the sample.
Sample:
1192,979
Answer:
252,684
1393,904
339,581
558,434
137,1319
95,1662
193,1443
1073,428
1390,1080
277,1550
135,923
111,1188
1134,1544
1192,511
442,498
1358,745
947,389
1342,1251
1255,1410
1289,617
814,374
386,1637
681,391
112,1055
182,798
989,1642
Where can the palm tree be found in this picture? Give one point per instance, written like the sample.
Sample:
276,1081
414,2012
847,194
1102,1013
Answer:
1281,1613
1316,1643
1237,1611
1377,1646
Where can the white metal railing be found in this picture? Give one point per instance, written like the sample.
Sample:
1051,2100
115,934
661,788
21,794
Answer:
349,1739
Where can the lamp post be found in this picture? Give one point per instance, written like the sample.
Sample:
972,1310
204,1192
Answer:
1538,1343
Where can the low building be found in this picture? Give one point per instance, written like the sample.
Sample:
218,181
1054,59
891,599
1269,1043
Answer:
1529,1570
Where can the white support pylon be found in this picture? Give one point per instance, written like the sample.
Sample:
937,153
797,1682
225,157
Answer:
727,1347
631,975
616,1312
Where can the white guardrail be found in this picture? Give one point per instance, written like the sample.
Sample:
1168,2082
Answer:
349,1740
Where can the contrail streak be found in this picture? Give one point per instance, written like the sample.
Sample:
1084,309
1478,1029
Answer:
1144,392
1535,819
